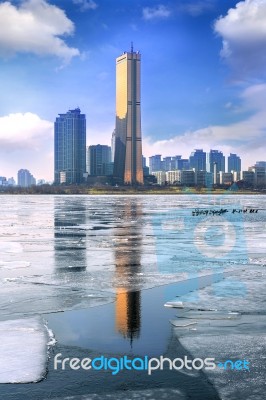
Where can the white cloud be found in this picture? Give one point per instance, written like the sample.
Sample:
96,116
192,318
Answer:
26,141
86,4
196,8
247,137
243,31
35,27
158,12
18,131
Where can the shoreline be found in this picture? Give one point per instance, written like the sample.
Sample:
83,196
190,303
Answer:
131,192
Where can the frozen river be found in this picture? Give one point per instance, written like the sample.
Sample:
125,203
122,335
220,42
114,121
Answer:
71,253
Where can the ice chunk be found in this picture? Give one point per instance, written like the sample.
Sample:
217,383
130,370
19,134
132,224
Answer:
23,349
10,247
177,323
174,304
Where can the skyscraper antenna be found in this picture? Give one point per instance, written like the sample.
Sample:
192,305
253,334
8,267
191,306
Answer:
131,47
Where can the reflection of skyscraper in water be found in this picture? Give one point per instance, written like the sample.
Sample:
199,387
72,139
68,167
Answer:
128,146
127,255
70,236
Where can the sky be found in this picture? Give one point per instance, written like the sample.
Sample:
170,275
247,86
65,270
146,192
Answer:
203,75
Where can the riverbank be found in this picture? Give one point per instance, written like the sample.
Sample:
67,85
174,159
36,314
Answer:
123,190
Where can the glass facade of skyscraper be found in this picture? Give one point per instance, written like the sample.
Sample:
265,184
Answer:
25,178
99,160
234,163
128,146
215,158
197,160
70,147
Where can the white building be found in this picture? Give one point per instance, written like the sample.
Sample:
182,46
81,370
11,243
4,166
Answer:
160,176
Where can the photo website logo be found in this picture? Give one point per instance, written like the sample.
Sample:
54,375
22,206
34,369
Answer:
116,365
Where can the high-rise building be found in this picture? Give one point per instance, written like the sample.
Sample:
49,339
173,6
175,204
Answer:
155,163
261,164
143,161
215,160
128,146
197,160
175,163
11,181
182,164
70,147
3,181
99,160
234,163
25,178
167,163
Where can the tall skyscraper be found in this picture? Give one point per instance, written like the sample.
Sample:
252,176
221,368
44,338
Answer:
128,145
70,147
197,160
215,158
234,163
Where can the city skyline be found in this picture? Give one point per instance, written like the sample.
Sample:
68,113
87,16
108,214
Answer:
203,82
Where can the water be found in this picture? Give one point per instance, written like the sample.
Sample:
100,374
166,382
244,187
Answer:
93,257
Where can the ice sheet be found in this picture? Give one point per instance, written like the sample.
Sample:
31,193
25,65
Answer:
151,394
23,349
233,385
68,252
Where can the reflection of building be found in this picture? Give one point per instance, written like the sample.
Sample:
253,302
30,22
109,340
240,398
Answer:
70,147
128,146
127,309
127,255
69,238
25,178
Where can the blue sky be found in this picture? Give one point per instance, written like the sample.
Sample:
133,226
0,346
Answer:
203,75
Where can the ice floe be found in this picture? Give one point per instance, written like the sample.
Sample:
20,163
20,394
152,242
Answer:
23,349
